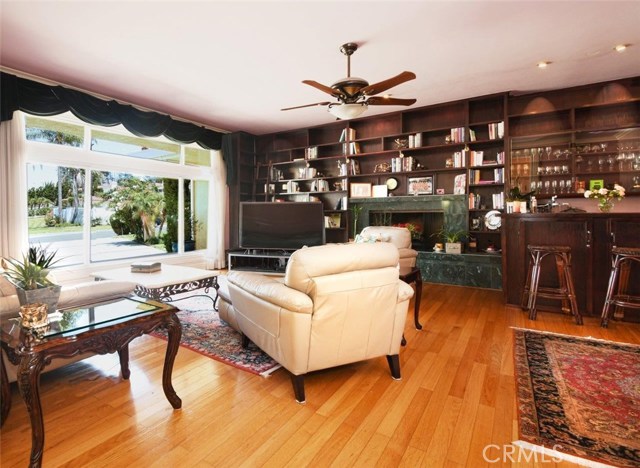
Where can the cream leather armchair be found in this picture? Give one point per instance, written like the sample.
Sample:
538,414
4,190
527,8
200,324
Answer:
338,304
398,236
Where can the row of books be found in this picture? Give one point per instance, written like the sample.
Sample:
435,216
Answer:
496,130
460,159
476,158
405,164
311,152
457,135
476,201
348,134
475,176
350,148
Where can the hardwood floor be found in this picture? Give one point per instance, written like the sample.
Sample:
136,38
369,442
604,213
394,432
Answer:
456,397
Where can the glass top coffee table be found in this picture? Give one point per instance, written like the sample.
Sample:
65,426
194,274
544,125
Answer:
165,283
99,328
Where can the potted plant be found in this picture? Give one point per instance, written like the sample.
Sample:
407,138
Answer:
517,201
30,277
453,239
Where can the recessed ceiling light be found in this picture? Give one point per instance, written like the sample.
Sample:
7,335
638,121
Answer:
543,64
621,47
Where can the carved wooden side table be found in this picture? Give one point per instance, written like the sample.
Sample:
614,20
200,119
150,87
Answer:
99,328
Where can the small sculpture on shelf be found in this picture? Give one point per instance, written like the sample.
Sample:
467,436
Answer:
382,167
400,143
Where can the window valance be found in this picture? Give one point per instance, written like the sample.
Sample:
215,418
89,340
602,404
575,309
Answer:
40,99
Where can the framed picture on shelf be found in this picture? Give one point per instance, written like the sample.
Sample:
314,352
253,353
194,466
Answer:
335,220
380,191
420,185
360,190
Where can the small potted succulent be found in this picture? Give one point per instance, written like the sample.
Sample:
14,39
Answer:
453,239
30,277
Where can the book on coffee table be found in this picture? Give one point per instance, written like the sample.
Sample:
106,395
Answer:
145,267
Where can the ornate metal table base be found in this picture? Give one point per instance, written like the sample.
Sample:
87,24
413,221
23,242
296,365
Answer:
165,293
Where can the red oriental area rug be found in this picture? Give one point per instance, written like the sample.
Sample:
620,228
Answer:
204,332
579,396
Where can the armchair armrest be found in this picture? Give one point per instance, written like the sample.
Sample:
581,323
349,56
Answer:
405,292
272,291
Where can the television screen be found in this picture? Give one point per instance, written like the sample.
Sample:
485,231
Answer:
284,225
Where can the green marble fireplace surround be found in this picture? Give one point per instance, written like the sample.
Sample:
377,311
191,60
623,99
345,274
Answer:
467,269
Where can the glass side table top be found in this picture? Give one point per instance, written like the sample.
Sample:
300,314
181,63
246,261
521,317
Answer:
72,321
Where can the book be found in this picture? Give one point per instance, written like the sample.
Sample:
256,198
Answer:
145,267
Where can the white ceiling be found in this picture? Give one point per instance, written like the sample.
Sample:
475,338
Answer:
234,65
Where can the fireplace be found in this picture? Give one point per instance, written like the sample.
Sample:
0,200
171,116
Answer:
430,212
424,225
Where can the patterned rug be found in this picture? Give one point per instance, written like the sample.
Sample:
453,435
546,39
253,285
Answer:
204,332
579,396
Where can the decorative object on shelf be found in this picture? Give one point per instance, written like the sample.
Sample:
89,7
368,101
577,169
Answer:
382,167
453,239
30,277
439,247
360,190
400,143
516,200
605,196
420,185
596,184
333,220
380,191
392,183
354,94
493,220
440,191
460,184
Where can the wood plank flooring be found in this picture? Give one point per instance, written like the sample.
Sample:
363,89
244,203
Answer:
456,397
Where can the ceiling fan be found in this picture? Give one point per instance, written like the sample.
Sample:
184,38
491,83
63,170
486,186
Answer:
355,94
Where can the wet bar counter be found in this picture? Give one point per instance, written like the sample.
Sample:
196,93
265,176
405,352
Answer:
590,236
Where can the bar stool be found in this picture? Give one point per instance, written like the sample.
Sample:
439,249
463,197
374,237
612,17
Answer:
565,292
621,261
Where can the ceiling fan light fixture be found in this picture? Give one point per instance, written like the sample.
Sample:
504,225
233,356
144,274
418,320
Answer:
347,111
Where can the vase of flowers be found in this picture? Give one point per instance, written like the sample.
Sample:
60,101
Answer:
605,196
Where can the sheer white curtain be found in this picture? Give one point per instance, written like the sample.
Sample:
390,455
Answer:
13,188
218,219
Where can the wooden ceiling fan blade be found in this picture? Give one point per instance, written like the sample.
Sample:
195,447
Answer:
387,84
307,105
383,101
323,88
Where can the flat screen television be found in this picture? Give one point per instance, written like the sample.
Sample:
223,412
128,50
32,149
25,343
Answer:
281,225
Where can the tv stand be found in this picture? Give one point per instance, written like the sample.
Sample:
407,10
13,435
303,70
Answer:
269,262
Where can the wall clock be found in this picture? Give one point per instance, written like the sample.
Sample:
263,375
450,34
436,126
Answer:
392,183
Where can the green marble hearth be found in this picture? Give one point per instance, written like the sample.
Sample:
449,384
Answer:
477,270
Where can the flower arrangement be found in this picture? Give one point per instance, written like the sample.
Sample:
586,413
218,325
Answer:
414,229
605,196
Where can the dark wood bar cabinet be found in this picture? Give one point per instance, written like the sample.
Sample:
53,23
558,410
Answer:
590,236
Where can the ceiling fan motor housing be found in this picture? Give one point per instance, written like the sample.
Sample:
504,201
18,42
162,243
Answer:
350,87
